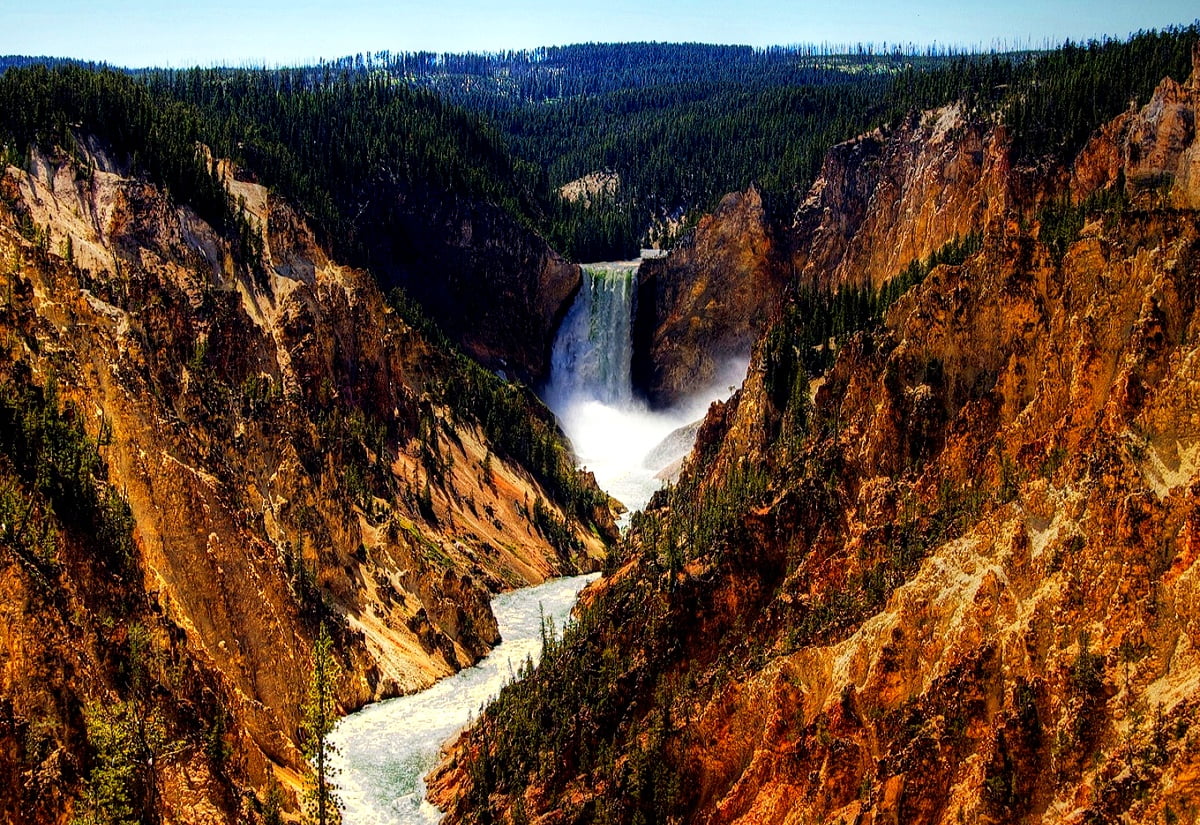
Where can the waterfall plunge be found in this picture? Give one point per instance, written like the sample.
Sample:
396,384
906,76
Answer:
594,348
614,435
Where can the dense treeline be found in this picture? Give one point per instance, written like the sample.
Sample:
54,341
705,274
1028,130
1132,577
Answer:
332,144
678,148
682,124
682,146
153,135
17,61
1060,98
679,124
340,145
496,81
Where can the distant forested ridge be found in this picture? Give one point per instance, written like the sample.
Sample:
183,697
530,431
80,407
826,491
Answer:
679,125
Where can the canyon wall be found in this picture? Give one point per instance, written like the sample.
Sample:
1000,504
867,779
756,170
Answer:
292,453
494,286
701,307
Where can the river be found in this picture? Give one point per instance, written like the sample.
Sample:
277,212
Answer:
385,749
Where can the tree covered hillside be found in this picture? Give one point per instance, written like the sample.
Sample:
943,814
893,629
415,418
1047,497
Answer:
679,125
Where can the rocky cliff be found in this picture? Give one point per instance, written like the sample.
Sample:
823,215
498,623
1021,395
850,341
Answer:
229,444
1152,152
954,579
494,286
880,202
893,196
700,308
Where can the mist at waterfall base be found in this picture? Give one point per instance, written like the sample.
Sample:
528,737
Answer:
385,749
616,436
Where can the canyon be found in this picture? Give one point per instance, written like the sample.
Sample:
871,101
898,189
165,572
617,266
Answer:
930,559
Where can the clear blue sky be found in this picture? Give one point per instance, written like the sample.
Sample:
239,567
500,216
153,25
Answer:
159,32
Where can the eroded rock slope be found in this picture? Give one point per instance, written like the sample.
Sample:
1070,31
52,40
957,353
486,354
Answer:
256,443
955,580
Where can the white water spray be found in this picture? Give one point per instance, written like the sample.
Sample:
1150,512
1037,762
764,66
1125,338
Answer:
628,446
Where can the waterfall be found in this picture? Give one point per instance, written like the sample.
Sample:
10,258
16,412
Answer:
593,351
629,448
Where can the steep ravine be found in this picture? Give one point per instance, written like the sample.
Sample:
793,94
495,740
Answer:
291,452
954,580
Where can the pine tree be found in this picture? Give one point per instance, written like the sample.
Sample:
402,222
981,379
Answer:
113,785
321,803
272,806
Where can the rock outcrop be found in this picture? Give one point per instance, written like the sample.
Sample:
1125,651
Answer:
880,202
887,198
290,455
699,309
1152,150
588,188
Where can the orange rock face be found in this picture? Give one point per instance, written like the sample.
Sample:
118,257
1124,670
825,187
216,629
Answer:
883,200
880,202
1153,151
700,309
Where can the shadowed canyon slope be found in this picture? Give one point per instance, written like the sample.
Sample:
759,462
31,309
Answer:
955,580
702,306
291,451
492,285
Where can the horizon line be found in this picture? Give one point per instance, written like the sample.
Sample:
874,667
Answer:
825,49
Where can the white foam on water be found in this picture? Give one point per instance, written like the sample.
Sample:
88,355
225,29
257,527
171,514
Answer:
591,391
385,749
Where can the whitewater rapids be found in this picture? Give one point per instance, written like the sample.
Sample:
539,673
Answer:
385,749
